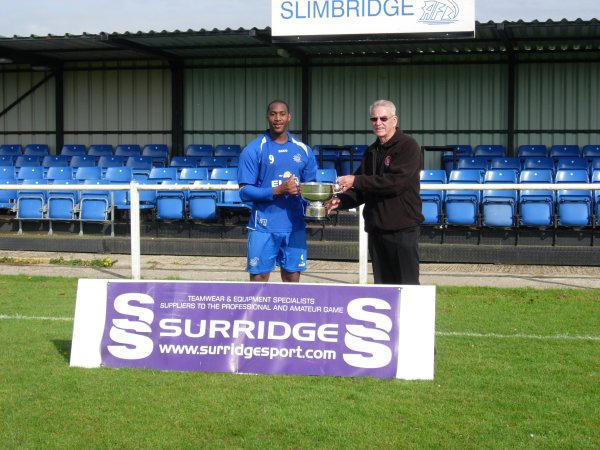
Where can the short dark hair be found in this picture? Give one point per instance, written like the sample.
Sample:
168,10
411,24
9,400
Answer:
277,101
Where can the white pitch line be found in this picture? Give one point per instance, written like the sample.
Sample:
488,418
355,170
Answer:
558,337
19,317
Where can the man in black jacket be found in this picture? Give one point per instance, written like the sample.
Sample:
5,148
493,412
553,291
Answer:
387,182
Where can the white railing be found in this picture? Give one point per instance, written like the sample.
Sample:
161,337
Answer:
134,199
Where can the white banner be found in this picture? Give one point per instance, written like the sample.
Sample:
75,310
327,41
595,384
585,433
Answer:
367,17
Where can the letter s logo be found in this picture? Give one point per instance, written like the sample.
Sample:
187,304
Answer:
125,331
369,353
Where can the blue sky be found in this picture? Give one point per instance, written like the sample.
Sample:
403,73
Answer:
59,17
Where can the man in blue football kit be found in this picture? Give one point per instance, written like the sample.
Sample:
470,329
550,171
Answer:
270,171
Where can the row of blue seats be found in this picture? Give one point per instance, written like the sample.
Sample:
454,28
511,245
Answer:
8,175
135,162
529,162
508,208
154,150
99,205
46,203
495,150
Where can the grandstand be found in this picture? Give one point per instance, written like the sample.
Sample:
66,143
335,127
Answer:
174,108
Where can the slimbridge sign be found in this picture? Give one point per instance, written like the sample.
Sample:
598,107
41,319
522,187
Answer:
263,328
369,17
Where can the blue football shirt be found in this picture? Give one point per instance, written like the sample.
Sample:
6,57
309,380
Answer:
266,164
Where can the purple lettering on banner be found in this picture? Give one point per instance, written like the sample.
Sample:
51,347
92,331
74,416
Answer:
253,328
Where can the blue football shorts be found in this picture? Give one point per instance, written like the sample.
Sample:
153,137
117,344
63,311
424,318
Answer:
266,250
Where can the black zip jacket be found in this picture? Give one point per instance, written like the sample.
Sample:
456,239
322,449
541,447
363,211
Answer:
388,183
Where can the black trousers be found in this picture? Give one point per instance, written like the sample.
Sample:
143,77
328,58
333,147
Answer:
395,256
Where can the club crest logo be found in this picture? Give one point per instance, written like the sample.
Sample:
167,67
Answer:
387,161
439,12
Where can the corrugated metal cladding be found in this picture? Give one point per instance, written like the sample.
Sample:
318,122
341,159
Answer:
114,106
439,105
34,115
228,106
558,97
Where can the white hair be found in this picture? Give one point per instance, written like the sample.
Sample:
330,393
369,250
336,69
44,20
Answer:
385,104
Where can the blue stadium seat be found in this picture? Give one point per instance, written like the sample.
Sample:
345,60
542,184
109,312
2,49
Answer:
7,160
83,161
31,204
590,151
231,200
7,172
327,156
574,206
147,197
564,151
511,163
432,201
538,163
475,162
595,179
119,175
8,197
499,207
349,160
536,206
140,166
171,204
95,205
202,205
194,173
184,161
73,150
532,151
11,150
572,163
59,173
210,162
27,160
128,150
56,161
88,173
450,157
40,150
223,174
159,154
326,176
462,206
227,150
30,173
61,205
199,150
489,151
158,174
233,161
111,161
99,150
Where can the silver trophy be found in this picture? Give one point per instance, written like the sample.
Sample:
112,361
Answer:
317,194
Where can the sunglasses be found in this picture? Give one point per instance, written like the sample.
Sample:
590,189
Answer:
383,119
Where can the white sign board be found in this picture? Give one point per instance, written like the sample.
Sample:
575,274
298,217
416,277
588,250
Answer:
368,17
267,328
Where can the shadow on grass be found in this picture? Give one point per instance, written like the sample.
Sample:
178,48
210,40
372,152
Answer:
64,348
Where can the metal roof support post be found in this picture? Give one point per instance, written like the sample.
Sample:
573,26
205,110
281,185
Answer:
511,104
177,79
59,105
